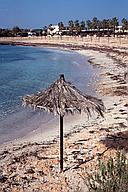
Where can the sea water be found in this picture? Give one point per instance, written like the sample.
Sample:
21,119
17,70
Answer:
25,70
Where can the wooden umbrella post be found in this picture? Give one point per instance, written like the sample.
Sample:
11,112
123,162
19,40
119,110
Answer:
61,143
62,97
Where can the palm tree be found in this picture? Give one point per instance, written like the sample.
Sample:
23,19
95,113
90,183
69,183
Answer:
45,28
77,26
94,23
82,25
71,26
105,24
99,24
114,23
61,25
124,24
89,24
16,30
1,30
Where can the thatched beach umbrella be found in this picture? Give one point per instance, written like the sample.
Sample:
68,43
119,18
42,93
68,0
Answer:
60,98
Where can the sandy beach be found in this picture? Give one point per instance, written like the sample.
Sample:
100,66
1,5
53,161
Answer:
32,163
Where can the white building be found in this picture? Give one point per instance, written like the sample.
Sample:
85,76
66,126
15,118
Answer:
31,34
53,30
119,29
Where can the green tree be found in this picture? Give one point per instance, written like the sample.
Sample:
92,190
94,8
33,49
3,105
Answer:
44,31
105,23
124,24
77,26
61,25
82,25
89,24
16,30
95,23
1,31
71,25
114,23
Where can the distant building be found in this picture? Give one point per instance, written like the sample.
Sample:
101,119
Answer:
118,29
31,34
53,30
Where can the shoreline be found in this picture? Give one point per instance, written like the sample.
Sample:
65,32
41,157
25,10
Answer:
85,142
116,51
46,131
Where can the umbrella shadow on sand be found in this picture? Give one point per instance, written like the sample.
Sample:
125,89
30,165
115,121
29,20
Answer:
117,141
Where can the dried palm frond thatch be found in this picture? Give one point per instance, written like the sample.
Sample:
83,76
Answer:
60,98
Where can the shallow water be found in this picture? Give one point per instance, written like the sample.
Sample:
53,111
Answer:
25,70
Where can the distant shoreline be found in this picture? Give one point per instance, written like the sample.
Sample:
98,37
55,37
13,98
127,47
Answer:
68,42
118,51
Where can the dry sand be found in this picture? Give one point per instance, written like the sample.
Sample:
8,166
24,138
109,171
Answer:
30,164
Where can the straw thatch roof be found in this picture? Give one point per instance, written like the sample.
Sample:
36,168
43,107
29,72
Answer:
62,97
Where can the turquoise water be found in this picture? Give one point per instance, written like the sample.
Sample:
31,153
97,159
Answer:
25,70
